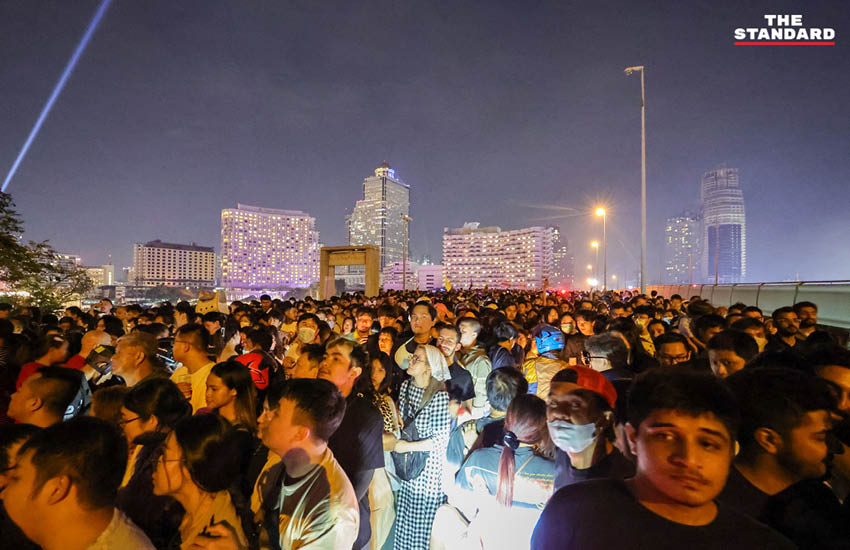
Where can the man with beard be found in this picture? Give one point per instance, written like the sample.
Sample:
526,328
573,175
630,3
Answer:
460,387
787,324
807,312
777,476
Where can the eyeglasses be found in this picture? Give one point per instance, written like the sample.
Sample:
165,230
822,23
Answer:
415,360
123,423
161,458
674,358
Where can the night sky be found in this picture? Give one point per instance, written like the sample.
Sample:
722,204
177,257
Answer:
508,113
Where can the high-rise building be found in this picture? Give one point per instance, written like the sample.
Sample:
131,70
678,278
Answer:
378,219
264,249
156,263
563,263
724,234
475,257
682,255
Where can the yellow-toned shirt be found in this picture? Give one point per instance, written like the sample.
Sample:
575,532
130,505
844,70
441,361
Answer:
199,384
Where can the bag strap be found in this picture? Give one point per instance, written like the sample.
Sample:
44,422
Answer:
429,393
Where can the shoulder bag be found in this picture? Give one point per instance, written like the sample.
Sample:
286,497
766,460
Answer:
409,465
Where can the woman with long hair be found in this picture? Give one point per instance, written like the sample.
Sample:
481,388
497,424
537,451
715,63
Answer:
503,489
231,393
381,500
196,466
151,411
423,400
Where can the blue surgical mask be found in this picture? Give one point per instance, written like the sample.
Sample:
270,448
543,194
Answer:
571,437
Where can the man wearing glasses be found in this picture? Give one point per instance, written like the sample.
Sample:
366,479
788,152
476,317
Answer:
672,349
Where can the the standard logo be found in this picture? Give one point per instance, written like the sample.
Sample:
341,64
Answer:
784,30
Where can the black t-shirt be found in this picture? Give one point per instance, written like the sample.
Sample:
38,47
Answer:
357,444
613,466
742,495
602,514
807,512
460,386
358,447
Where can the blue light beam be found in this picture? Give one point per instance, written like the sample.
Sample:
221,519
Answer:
69,68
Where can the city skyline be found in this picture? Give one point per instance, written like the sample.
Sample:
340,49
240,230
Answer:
513,115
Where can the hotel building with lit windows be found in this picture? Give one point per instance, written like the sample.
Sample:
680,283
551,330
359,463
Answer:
156,263
475,257
265,249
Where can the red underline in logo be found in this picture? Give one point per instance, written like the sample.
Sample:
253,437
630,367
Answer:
784,43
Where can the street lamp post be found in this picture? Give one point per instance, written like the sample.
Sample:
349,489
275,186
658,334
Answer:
595,245
405,219
629,71
601,212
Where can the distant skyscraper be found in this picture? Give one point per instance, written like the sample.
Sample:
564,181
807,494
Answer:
724,236
563,263
682,254
156,263
264,249
69,261
377,219
476,257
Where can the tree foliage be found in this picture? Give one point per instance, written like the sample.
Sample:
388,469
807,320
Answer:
33,267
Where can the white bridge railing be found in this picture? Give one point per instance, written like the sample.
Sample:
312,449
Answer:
831,297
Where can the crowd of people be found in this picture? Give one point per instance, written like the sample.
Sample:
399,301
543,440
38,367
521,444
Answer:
455,420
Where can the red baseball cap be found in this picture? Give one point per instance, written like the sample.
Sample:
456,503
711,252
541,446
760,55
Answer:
592,380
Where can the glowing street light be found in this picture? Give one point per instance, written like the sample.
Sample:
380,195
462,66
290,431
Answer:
589,267
601,212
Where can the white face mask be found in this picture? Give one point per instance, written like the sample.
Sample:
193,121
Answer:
306,334
572,437
600,364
